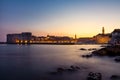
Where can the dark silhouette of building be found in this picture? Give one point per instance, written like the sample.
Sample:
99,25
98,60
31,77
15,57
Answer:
115,37
24,37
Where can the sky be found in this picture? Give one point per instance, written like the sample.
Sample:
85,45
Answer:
85,18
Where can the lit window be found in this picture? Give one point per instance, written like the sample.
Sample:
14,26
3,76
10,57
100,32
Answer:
26,41
21,41
17,41
30,41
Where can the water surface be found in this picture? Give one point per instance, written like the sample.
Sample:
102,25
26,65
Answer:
34,62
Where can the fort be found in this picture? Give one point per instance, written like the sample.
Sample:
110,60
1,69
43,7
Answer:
28,38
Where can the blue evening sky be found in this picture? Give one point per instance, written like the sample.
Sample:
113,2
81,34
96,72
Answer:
58,17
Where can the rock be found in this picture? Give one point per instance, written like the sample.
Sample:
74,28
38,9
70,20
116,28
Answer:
94,76
77,67
86,56
83,49
92,49
70,70
60,70
115,77
57,71
117,59
53,73
74,67
107,51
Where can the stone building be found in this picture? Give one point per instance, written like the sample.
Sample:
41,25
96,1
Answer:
102,38
24,37
28,38
115,37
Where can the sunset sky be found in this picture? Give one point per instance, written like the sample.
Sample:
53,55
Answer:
58,17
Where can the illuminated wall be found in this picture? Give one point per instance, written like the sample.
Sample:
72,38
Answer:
102,39
27,38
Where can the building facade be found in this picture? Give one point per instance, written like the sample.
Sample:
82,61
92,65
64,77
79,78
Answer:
86,40
102,38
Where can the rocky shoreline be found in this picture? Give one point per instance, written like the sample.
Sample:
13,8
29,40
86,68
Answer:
110,51
74,68
107,51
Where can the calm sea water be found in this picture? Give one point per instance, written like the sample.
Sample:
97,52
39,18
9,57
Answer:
34,62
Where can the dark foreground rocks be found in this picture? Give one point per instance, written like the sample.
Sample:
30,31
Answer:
115,77
90,49
62,70
94,76
91,75
98,76
87,56
107,51
83,49
117,59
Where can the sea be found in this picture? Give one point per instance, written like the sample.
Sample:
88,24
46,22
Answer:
36,62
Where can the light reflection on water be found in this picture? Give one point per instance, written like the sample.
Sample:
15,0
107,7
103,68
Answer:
33,62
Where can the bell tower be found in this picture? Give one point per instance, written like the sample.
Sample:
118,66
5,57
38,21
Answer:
103,30
75,36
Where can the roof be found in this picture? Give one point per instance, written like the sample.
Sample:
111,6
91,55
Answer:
108,34
116,31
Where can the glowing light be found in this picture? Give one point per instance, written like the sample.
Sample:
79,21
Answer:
26,41
31,41
17,41
21,41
